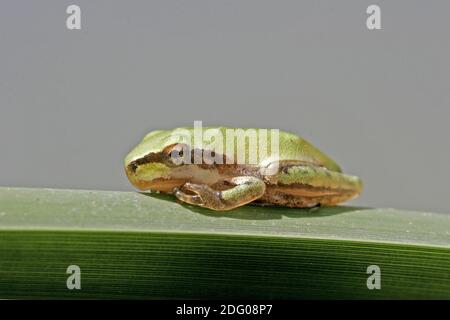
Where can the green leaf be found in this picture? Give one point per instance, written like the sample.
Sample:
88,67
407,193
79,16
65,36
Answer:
133,245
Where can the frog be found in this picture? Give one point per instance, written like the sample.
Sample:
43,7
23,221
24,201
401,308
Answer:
300,175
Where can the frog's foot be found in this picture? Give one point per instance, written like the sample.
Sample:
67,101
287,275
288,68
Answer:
188,198
245,189
203,195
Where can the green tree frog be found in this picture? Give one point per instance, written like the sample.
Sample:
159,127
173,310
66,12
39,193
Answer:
300,175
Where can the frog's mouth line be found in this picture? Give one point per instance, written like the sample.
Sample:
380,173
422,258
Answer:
160,184
165,158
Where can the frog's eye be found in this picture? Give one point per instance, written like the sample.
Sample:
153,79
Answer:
177,154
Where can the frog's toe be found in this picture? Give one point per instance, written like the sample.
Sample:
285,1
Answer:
188,198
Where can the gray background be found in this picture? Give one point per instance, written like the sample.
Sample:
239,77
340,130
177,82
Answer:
73,103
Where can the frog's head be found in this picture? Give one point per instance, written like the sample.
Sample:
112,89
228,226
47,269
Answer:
158,162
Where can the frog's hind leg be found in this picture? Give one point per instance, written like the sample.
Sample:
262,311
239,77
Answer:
309,186
243,190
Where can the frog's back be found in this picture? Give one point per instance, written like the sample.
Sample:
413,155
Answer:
291,146
294,147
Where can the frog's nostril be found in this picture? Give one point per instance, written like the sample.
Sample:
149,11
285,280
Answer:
132,167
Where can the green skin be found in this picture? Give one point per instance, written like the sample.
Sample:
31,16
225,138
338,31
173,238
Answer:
304,176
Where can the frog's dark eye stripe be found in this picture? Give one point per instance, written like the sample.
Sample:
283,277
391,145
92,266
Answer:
151,157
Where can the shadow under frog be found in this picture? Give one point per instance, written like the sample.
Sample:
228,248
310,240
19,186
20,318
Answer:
255,211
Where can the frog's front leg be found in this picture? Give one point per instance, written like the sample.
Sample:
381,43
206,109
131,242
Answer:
245,189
